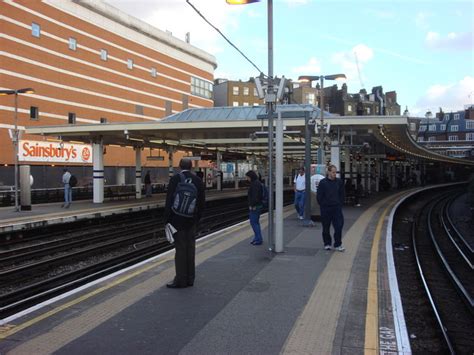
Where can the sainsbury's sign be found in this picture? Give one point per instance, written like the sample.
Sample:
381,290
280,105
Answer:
54,152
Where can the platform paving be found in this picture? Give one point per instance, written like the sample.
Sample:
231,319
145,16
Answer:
246,299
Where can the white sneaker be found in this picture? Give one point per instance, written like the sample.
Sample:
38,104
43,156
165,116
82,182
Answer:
327,247
301,217
340,248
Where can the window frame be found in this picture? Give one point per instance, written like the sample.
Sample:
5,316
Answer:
130,63
72,43
35,30
104,54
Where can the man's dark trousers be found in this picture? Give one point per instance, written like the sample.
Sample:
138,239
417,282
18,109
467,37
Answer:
185,245
332,215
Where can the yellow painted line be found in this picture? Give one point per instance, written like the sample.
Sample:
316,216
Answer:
372,313
7,330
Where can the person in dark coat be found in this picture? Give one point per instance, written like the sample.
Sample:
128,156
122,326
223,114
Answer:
148,190
255,193
185,237
331,199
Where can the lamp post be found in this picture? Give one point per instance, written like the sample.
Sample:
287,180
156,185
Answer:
308,78
15,136
270,101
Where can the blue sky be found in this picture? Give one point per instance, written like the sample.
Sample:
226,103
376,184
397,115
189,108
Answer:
423,49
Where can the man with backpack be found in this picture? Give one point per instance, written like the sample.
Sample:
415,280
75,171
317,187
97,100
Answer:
255,201
66,179
184,206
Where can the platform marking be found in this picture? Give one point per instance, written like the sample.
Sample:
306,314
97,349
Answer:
372,314
314,330
10,329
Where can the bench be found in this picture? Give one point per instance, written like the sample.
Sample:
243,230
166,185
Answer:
120,192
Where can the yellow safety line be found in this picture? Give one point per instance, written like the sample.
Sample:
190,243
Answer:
372,315
7,330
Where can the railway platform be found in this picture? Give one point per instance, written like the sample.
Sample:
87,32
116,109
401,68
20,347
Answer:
47,214
245,300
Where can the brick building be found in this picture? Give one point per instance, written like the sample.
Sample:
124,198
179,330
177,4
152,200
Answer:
235,93
91,63
450,134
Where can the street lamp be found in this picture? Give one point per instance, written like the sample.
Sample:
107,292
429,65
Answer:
309,78
270,101
15,135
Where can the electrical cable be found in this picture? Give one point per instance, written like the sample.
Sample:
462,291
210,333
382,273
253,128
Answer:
219,31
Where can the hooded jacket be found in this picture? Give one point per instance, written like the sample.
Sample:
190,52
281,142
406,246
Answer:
255,190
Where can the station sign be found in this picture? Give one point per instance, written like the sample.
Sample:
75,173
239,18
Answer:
54,152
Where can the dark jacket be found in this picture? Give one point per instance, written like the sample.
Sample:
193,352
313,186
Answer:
255,190
147,179
180,222
330,193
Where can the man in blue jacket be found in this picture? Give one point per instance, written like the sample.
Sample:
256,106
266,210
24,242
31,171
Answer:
330,197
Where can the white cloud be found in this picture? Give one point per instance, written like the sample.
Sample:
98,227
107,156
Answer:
296,2
347,61
381,14
179,18
452,41
450,97
421,20
312,67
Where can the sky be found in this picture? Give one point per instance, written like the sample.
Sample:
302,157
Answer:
422,49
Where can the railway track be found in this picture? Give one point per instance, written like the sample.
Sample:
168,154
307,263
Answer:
436,277
52,265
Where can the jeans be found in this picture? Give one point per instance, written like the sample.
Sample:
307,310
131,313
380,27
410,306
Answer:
332,215
67,194
299,202
254,217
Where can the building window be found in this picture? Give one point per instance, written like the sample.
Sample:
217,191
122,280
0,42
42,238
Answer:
255,103
235,90
103,120
139,109
456,116
446,116
310,98
431,139
71,118
130,63
368,110
201,88
432,127
255,92
235,103
35,30
420,139
469,124
34,113
246,91
245,104
453,138
442,127
103,54
470,136
454,128
72,43
349,108
422,128
153,72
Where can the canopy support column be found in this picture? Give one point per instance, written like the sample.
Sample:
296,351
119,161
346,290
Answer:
98,171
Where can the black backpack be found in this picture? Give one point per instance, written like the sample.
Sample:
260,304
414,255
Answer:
72,181
185,197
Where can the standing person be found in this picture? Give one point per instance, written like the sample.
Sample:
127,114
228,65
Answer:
255,205
331,199
184,218
299,187
67,189
148,184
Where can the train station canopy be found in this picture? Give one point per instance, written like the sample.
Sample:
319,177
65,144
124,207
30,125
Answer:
242,131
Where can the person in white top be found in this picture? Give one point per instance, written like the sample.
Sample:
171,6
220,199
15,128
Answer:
300,186
67,189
